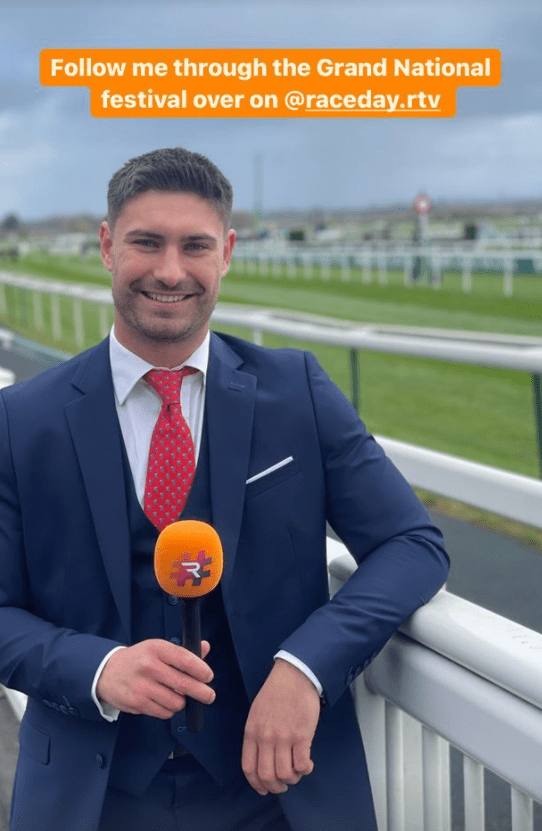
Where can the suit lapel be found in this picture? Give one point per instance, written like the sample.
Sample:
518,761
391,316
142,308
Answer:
230,409
96,434
95,430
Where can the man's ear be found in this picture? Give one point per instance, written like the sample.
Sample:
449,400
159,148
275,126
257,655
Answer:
106,245
229,244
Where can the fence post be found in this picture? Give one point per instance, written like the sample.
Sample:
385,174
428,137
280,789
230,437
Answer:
473,775
408,266
23,294
436,779
78,325
436,269
56,317
522,811
354,378
382,269
466,276
104,321
366,274
395,768
38,310
508,279
537,400
291,269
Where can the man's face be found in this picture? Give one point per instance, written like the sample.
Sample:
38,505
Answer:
167,254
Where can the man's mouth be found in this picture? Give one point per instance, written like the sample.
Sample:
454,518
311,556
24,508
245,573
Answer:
166,298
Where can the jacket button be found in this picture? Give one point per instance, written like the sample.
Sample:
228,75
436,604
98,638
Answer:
100,760
176,641
172,600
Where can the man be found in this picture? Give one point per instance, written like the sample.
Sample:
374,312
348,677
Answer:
85,630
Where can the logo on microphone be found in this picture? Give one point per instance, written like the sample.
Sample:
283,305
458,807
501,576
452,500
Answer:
193,570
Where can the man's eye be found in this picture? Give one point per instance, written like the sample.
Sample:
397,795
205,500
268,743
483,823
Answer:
146,243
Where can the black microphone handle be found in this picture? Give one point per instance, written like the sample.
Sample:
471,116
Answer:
195,714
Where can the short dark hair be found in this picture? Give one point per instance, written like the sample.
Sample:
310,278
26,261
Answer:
170,169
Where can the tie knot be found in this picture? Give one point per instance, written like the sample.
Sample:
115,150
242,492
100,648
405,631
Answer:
167,382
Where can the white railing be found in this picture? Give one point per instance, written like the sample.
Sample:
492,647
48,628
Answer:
272,260
56,290
455,675
514,352
439,682
7,377
477,348
482,486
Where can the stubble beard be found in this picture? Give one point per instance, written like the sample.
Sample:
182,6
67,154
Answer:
161,327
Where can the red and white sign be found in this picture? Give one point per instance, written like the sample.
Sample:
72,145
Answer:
422,204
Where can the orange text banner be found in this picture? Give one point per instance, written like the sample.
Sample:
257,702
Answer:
271,83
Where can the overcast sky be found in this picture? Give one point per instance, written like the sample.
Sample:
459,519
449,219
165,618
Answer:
56,159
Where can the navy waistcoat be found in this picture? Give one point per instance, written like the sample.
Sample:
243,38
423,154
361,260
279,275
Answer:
144,743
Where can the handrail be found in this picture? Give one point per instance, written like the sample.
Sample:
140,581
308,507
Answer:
17,701
466,677
462,347
462,631
508,352
499,491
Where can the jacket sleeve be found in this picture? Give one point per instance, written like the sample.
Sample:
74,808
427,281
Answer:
400,554
54,665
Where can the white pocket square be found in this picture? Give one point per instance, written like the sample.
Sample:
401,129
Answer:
270,470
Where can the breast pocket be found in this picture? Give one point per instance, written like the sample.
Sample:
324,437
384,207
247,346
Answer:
271,477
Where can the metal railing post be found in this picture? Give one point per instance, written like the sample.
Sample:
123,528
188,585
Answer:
537,400
355,379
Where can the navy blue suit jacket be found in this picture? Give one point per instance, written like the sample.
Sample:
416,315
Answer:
65,564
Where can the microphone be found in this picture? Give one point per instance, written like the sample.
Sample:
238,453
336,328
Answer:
188,563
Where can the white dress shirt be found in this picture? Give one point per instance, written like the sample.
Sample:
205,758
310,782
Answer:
138,407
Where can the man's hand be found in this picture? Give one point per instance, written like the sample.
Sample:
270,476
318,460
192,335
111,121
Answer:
279,731
154,677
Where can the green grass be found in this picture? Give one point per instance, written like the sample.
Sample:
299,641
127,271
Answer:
485,309
73,269
481,414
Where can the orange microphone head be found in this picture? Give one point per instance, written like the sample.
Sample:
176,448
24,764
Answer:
188,558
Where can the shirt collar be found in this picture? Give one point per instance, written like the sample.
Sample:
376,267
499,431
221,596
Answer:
127,368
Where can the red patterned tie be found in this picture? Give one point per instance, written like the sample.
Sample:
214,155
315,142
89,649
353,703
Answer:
171,466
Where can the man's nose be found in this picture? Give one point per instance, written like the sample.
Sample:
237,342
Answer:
169,268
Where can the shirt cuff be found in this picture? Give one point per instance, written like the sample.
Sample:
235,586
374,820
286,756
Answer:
286,656
107,711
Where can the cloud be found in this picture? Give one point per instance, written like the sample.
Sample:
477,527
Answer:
55,157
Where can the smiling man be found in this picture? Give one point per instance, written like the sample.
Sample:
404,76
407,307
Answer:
167,253
85,630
